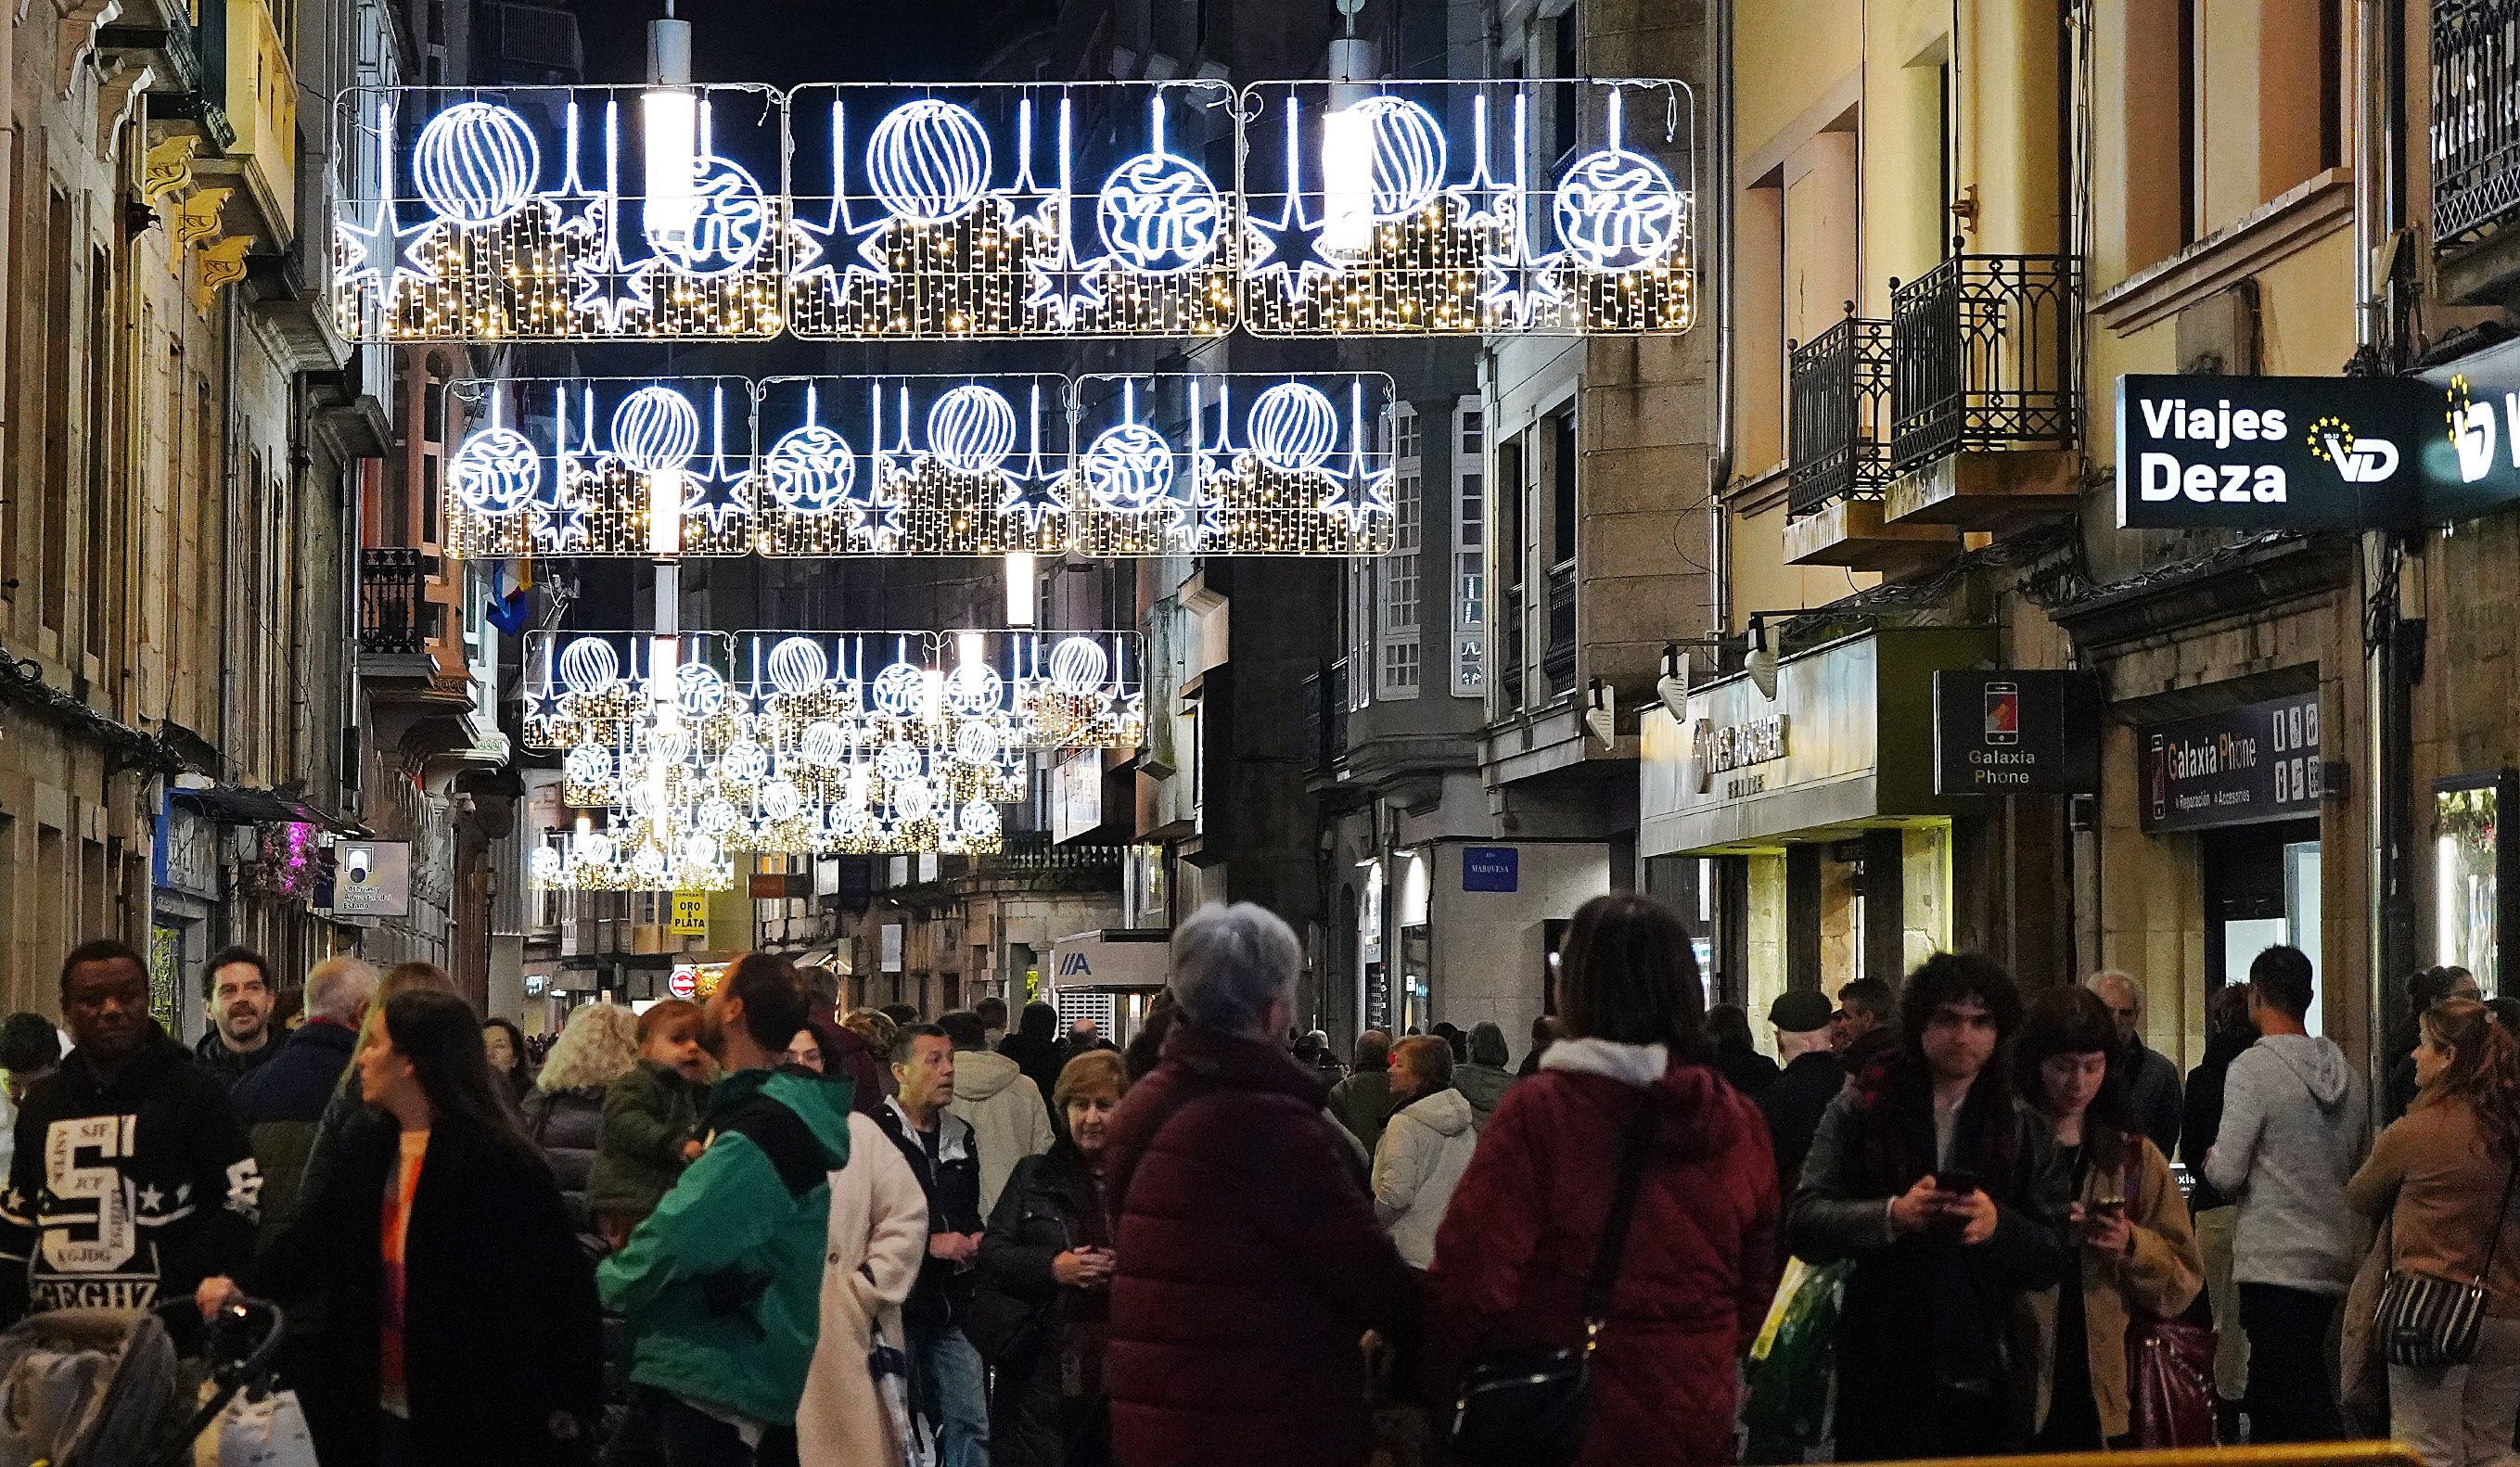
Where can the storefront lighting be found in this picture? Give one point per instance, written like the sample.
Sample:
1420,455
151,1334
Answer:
1670,682
1760,661
1602,712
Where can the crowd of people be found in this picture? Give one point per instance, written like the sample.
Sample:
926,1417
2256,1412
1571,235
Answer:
765,1229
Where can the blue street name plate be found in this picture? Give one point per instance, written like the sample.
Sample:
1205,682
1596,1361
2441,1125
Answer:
1491,868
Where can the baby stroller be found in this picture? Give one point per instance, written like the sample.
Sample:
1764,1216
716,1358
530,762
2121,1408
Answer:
124,1387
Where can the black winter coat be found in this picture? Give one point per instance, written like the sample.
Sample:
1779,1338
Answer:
1048,1409
569,1126
500,1327
1793,1106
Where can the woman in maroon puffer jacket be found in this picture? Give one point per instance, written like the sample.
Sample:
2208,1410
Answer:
1515,1252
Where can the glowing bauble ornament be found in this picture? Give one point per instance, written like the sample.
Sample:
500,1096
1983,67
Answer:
900,690
648,865
729,222
897,761
972,688
699,689
1295,427
971,430
824,744
668,747
719,817
655,430
810,470
1128,467
1616,211
978,744
781,801
912,799
587,767
700,851
744,762
1408,156
546,863
928,160
475,162
595,848
1077,665
588,665
797,666
496,472
978,822
1158,214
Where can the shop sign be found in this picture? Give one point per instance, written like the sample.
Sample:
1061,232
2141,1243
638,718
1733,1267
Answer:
2277,453
691,913
2250,764
683,982
1491,868
186,853
1076,795
1109,959
372,878
1721,748
2017,732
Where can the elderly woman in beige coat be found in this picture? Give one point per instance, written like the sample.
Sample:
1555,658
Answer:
2135,1247
848,1417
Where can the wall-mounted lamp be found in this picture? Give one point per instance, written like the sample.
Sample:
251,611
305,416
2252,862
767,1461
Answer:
1602,711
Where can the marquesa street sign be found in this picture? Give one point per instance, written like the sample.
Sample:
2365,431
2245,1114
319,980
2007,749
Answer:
2320,453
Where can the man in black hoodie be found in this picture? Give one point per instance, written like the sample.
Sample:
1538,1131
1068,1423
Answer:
1034,1047
132,1180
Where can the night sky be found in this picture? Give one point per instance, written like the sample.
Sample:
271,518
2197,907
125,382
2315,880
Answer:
784,42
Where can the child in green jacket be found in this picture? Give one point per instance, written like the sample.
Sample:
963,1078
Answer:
651,1121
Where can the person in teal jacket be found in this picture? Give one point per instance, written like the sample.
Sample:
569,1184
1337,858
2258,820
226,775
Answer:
722,1283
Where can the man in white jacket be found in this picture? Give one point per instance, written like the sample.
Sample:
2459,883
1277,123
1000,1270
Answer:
1423,1149
2295,1121
993,1096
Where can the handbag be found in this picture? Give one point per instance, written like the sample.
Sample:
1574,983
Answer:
2170,1367
1524,1407
2429,1324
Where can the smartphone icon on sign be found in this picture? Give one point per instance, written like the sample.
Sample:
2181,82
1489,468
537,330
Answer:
2002,712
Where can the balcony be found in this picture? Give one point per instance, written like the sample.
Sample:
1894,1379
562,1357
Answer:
1511,647
2476,145
1326,712
1557,659
397,618
1984,409
1838,463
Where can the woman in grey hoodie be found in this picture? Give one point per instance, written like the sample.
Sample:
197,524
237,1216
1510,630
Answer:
2295,1121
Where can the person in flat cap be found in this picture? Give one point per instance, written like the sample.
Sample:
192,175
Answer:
1811,1079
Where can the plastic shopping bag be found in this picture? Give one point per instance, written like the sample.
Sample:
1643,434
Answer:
266,1430
1790,1415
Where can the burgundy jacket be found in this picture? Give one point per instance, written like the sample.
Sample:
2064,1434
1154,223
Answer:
1249,1265
1518,1243
846,1056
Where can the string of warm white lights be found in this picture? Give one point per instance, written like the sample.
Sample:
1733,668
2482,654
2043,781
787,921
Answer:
1006,210
925,466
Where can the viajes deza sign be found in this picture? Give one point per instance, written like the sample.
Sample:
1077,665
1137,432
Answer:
2266,453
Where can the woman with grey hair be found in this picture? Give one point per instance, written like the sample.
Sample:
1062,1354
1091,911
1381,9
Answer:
1483,1080
1248,1261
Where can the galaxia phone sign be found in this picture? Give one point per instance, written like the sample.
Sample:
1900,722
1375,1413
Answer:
2270,452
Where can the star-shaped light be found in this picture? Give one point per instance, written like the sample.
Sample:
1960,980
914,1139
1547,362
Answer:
1032,499
569,533
385,251
836,253
578,212
1291,250
1485,201
1064,286
609,289
1519,281
542,704
1359,496
1208,521
718,498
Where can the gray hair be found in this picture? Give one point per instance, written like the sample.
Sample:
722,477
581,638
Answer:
2124,982
1231,962
1487,1045
338,989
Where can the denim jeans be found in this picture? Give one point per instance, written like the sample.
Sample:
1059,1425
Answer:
953,1395
2292,1367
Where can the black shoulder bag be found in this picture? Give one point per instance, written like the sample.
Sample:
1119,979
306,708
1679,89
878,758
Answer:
1525,1407
2429,1324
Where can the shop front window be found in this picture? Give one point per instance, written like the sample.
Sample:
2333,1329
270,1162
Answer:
2468,885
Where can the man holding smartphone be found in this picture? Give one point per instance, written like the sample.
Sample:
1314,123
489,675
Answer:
1940,1184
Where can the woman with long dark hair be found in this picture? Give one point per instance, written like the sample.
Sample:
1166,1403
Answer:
461,1321
2443,1177
2137,1255
1515,1252
1737,1055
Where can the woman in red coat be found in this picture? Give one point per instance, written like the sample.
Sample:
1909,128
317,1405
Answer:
1517,1248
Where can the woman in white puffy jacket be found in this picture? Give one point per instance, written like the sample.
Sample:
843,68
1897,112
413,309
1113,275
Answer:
1423,1149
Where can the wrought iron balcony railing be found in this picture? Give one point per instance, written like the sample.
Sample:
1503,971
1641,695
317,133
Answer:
1326,712
1982,357
1511,648
2476,116
1558,660
395,614
1840,406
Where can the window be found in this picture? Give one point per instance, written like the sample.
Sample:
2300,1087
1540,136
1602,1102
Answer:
1359,646
1397,675
1562,482
1514,505
1564,100
1469,548
104,492
54,489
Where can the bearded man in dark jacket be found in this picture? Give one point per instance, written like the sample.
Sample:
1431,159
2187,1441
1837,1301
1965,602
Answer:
1940,1184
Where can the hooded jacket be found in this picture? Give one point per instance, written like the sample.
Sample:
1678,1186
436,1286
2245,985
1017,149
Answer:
723,1284
1034,1047
1515,1255
650,1114
1362,1102
279,1105
2294,1121
126,1191
1248,1265
1006,1112
230,1065
1423,1152
1483,1086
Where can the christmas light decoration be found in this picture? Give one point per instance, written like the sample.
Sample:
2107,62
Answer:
999,210
922,465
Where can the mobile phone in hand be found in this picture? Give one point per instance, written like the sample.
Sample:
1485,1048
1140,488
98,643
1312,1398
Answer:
1957,1179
